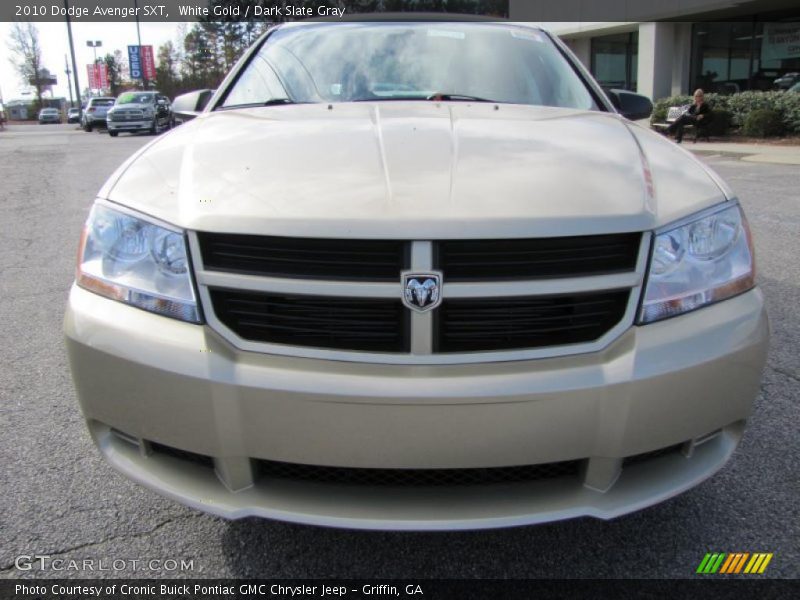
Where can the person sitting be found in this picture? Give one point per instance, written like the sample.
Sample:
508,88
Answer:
699,115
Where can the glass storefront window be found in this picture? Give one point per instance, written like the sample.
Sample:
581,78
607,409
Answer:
614,60
732,57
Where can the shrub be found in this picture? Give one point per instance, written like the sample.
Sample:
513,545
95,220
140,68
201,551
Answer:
788,103
763,122
740,106
721,122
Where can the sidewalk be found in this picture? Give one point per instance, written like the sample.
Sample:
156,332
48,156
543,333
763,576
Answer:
761,153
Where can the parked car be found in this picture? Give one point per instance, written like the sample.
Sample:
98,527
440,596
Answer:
94,114
786,81
74,115
415,275
49,115
140,111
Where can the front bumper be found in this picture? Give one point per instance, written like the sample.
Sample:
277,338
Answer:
128,125
145,382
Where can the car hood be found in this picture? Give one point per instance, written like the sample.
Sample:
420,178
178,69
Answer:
413,170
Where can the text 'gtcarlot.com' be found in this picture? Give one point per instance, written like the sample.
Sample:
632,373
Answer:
43,562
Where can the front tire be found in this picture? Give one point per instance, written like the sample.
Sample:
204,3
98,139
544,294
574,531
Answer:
88,127
113,133
154,126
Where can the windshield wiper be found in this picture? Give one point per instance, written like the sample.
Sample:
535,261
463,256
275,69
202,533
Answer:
432,97
271,102
276,101
440,97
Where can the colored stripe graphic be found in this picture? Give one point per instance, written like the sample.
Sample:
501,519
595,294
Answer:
715,567
758,564
732,560
711,563
741,562
703,564
765,563
733,563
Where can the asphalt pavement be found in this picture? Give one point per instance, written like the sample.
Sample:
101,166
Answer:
60,499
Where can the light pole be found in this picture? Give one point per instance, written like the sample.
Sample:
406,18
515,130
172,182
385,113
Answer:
67,72
72,56
94,46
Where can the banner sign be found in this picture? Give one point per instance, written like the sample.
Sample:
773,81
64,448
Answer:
135,62
98,76
781,41
148,63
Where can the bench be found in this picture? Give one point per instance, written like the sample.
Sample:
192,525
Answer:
672,115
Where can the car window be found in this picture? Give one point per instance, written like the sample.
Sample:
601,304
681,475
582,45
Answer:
103,102
395,61
258,82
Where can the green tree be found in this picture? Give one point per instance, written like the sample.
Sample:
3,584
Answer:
167,77
26,57
113,64
199,67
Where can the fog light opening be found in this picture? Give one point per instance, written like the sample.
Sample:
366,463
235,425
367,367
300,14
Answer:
688,447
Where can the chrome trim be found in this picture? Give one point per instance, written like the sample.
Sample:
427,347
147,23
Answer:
308,287
366,289
544,287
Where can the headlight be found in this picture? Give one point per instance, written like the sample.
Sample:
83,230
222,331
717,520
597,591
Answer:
132,260
706,259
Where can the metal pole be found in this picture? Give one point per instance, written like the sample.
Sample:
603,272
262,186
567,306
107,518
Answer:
69,80
72,53
139,39
94,67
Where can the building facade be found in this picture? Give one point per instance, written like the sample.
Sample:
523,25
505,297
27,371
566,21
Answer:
720,46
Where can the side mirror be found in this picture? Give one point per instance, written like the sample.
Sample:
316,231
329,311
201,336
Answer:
187,106
631,106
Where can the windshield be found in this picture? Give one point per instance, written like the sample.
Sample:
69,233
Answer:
102,102
134,98
351,62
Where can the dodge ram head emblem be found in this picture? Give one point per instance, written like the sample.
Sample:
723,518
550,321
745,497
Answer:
422,291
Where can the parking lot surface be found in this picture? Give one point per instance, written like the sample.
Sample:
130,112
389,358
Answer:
60,499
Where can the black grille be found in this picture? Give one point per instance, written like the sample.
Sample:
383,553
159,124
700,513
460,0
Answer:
418,477
192,457
471,260
485,324
373,260
652,455
326,322
127,115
